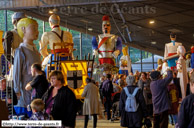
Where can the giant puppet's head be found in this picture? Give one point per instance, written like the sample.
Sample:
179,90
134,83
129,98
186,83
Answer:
181,51
172,36
106,27
16,17
28,28
54,20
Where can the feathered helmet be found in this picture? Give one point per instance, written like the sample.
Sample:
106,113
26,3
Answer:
105,20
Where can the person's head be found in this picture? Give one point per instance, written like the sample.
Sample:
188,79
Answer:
130,80
28,29
16,17
88,80
192,83
2,84
54,20
143,75
174,75
155,75
37,105
136,73
56,78
108,76
106,26
35,68
102,79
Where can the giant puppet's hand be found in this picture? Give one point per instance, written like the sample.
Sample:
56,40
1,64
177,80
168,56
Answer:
95,53
116,53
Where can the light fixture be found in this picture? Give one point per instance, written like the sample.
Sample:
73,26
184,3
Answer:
51,12
90,29
153,42
152,21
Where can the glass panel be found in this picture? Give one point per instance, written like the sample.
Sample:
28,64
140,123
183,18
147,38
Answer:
86,45
76,41
135,55
147,67
136,67
9,20
2,23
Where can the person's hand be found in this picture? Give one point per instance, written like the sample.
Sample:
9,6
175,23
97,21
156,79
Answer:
18,95
9,101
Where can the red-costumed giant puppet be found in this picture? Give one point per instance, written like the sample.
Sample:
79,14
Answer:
108,46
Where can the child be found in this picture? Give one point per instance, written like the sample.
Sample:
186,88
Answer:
37,106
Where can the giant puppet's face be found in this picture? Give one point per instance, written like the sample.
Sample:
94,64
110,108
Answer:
106,28
31,31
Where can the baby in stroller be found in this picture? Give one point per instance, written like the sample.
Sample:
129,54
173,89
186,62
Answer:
115,106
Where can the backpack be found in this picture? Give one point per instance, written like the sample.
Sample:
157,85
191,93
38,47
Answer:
130,103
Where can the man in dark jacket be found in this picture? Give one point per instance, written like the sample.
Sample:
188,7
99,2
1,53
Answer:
107,89
60,101
186,113
160,99
132,119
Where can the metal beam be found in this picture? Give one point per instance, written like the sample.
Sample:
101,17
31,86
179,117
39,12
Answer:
24,4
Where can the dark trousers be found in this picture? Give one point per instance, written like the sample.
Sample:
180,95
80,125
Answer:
108,106
94,121
161,120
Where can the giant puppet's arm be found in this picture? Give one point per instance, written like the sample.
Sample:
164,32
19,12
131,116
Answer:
118,47
95,46
43,45
7,43
71,48
165,51
17,72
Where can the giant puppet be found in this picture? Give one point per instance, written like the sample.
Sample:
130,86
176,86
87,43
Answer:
108,46
25,55
170,53
56,36
11,39
125,62
182,70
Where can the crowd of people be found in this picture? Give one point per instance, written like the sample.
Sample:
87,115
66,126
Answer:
134,99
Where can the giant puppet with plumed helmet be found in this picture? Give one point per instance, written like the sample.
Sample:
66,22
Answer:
108,46
25,55
56,36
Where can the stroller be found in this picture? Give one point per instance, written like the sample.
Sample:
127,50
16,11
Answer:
115,106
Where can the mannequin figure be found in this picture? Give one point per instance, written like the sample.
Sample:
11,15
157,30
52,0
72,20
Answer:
170,53
11,39
182,70
55,36
25,55
109,45
125,62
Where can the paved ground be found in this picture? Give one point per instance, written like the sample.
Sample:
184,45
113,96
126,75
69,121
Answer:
101,123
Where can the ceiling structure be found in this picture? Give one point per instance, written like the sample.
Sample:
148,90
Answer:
129,18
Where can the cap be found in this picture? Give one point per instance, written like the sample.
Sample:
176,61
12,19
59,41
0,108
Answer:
18,15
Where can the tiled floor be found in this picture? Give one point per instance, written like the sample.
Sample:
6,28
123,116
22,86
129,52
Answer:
101,124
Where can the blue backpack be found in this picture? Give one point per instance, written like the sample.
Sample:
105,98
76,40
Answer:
130,103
